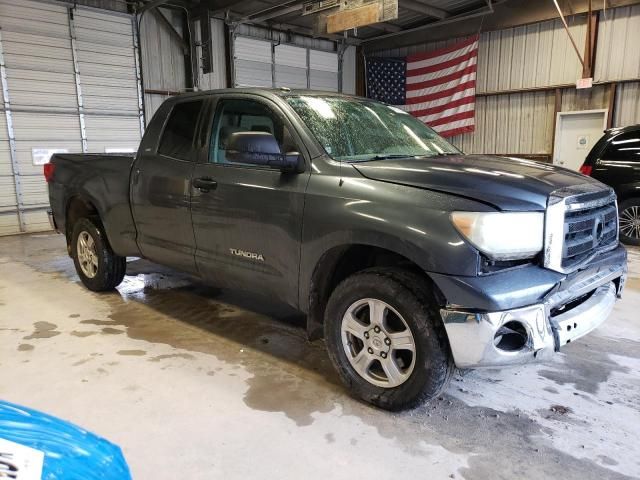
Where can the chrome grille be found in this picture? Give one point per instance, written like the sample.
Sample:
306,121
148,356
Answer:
586,230
580,222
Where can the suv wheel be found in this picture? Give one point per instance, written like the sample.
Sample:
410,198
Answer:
630,221
386,340
97,266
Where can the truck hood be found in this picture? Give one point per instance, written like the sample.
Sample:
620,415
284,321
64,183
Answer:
511,184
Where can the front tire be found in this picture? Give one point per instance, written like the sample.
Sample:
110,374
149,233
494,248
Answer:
630,221
386,339
97,266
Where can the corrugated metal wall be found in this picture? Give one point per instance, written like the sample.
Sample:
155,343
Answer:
69,84
618,53
540,55
163,62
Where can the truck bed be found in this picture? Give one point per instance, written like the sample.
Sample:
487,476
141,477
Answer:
102,181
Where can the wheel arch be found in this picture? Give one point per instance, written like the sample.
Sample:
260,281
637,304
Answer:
341,261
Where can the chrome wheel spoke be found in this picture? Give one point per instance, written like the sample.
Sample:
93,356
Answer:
362,361
377,311
353,326
402,341
392,371
630,222
87,255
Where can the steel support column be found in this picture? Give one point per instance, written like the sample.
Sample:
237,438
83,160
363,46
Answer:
136,56
76,73
15,168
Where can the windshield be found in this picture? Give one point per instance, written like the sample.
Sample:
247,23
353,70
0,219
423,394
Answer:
363,130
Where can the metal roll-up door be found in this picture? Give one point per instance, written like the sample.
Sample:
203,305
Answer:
40,85
9,222
323,70
252,62
108,74
291,66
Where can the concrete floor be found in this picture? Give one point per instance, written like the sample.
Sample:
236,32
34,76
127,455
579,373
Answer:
197,383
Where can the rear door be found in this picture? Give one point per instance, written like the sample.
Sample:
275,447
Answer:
161,190
619,163
247,219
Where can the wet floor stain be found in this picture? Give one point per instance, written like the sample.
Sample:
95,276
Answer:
111,331
74,315
83,333
81,362
43,330
330,438
159,358
132,353
25,347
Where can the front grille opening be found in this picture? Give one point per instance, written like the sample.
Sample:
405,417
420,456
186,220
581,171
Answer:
588,230
567,307
511,337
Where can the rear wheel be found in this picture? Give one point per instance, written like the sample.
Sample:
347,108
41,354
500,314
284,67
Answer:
97,266
630,221
386,340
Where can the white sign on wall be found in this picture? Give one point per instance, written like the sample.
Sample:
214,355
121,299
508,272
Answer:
40,156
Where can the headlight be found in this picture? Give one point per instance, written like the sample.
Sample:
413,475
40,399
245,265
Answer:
502,236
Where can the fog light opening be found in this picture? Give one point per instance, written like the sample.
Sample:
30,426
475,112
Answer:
511,337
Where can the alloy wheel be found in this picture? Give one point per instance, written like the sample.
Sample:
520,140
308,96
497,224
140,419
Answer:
378,343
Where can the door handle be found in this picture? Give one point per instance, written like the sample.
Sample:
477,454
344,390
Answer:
204,184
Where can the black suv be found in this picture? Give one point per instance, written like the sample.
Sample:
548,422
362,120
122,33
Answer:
615,160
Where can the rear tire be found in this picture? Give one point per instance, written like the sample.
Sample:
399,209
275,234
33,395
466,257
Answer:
630,221
97,266
409,334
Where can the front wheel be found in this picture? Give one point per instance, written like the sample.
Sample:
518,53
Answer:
98,267
386,340
630,221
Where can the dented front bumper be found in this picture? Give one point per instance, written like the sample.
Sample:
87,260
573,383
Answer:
535,332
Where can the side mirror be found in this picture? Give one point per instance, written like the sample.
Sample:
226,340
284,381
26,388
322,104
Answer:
261,148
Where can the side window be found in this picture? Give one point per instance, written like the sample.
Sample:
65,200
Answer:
177,137
625,147
246,116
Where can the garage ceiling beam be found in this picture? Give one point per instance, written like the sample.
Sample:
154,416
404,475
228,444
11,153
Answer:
152,4
273,12
385,27
424,8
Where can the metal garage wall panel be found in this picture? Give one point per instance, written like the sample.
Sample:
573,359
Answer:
617,53
253,74
261,33
535,55
9,223
323,70
290,66
251,49
113,133
108,78
517,123
152,102
163,61
627,108
587,99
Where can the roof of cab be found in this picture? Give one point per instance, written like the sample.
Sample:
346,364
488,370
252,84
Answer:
279,92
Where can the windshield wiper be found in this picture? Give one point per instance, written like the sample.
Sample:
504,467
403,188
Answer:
389,156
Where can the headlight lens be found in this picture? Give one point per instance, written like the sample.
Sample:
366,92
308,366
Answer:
502,236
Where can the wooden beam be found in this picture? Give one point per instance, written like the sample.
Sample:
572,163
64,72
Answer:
352,18
591,41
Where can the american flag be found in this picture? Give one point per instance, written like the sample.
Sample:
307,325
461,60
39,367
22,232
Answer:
438,87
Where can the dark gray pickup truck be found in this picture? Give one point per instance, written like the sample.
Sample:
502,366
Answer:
408,256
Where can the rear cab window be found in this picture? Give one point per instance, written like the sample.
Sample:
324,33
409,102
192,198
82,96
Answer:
177,138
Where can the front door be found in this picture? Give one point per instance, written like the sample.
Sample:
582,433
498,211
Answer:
161,191
247,219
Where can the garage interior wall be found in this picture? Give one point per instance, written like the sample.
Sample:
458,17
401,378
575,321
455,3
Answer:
539,56
266,58
69,83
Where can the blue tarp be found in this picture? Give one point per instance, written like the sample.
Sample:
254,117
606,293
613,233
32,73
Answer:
70,453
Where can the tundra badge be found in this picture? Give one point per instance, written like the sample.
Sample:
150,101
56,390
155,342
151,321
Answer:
249,255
